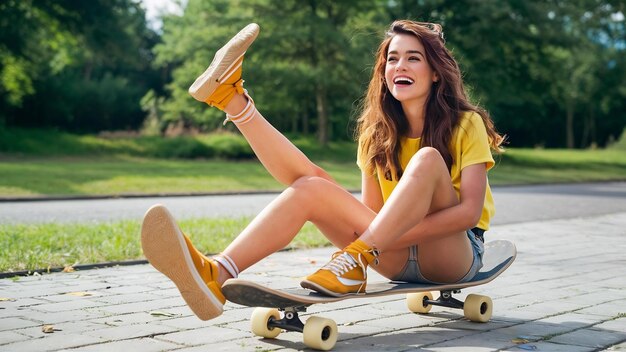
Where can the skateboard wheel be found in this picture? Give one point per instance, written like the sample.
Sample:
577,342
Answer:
478,308
415,302
260,321
320,333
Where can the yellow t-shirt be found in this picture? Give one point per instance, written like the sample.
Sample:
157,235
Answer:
469,146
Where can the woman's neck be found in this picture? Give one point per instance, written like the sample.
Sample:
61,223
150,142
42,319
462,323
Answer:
414,114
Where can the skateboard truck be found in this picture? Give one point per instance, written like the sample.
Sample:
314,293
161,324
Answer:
476,308
318,333
290,320
446,300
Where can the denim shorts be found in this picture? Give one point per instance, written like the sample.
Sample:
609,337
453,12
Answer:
411,271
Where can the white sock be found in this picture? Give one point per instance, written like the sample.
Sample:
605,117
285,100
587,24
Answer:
245,115
227,263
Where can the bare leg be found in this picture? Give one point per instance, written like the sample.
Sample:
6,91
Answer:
425,187
336,212
283,160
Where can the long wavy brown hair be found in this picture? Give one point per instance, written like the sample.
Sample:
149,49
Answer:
382,121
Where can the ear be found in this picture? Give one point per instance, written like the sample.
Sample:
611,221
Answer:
435,77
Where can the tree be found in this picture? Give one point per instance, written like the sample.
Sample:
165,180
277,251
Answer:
535,64
80,66
305,68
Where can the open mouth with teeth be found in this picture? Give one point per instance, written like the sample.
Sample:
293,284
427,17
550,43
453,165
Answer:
403,81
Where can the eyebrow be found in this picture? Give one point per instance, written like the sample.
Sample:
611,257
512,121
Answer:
408,52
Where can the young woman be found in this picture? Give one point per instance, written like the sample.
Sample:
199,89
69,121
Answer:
424,151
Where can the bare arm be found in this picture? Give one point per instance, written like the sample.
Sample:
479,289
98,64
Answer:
371,195
458,218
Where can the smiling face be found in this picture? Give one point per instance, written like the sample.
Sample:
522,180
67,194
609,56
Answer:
408,75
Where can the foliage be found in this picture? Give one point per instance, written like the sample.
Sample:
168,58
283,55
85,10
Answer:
551,72
44,143
75,65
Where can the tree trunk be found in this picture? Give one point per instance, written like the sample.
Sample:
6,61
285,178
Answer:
322,115
294,123
592,127
569,125
305,123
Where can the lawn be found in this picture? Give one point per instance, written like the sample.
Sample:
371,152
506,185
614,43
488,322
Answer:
53,245
53,164
31,176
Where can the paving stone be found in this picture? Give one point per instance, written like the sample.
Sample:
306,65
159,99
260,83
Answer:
158,304
609,309
53,342
59,317
547,346
406,321
412,338
128,319
487,341
593,338
21,302
141,344
192,322
129,331
74,304
618,347
252,344
463,324
573,320
13,323
73,327
203,336
617,325
125,298
7,337
571,294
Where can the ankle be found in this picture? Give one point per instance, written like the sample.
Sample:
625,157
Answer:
222,276
368,251
236,105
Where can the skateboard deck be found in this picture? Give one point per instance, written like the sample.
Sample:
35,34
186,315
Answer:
498,256
322,333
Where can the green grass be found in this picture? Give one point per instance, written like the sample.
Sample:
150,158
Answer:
44,163
30,176
52,245
528,166
26,177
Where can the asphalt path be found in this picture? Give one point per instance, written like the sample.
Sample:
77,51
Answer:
514,204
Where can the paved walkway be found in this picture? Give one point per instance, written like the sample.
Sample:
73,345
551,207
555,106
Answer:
565,292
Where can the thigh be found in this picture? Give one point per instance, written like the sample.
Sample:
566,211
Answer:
447,259
342,218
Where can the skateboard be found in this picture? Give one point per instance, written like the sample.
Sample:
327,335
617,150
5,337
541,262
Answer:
320,333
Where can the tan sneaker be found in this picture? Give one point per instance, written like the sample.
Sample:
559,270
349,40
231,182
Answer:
172,253
346,272
218,84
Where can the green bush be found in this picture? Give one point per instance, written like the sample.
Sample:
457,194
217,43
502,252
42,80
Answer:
53,143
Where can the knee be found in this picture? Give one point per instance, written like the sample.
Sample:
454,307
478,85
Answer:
426,157
309,185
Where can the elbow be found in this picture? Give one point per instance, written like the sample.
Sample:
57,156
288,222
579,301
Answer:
471,217
475,220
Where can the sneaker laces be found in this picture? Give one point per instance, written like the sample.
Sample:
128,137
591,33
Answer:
343,262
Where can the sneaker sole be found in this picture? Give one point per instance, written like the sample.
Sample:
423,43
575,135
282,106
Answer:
224,58
323,290
165,248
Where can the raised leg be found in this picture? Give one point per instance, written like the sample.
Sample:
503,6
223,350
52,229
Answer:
283,160
221,86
